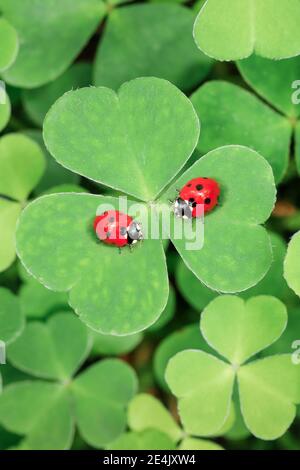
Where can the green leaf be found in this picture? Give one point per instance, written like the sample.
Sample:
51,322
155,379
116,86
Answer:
268,389
147,412
101,394
185,376
198,295
273,81
54,350
38,302
185,338
68,257
244,328
21,166
297,145
291,264
274,283
5,109
9,44
54,174
271,385
11,318
234,29
65,188
151,439
109,345
192,290
39,410
150,40
43,23
190,443
38,102
236,252
167,314
9,214
251,123
124,154
290,336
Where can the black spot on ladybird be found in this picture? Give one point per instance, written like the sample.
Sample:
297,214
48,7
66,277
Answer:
123,231
207,200
191,200
199,187
111,219
189,185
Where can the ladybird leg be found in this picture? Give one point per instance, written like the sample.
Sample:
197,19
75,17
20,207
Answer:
130,248
120,251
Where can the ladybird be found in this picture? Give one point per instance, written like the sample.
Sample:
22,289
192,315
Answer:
115,228
196,191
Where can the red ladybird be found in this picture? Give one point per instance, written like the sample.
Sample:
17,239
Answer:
195,192
115,228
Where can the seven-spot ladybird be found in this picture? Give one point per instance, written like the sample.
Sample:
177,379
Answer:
115,228
195,192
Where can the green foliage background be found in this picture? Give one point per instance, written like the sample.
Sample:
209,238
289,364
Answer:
161,348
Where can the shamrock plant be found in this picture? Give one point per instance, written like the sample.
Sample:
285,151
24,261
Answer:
10,326
234,29
149,419
121,140
291,264
269,388
274,284
277,83
60,397
10,44
252,123
21,167
125,27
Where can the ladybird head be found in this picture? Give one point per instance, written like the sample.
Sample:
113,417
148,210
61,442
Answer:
134,232
183,209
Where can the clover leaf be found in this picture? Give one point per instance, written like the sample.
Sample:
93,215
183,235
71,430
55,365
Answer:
151,439
234,29
81,261
54,174
45,411
277,82
145,411
269,388
9,44
37,102
11,322
147,39
273,81
251,123
232,231
198,295
62,340
110,345
21,167
288,342
11,317
5,109
187,337
291,264
45,22
39,302
126,123
146,414
130,159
